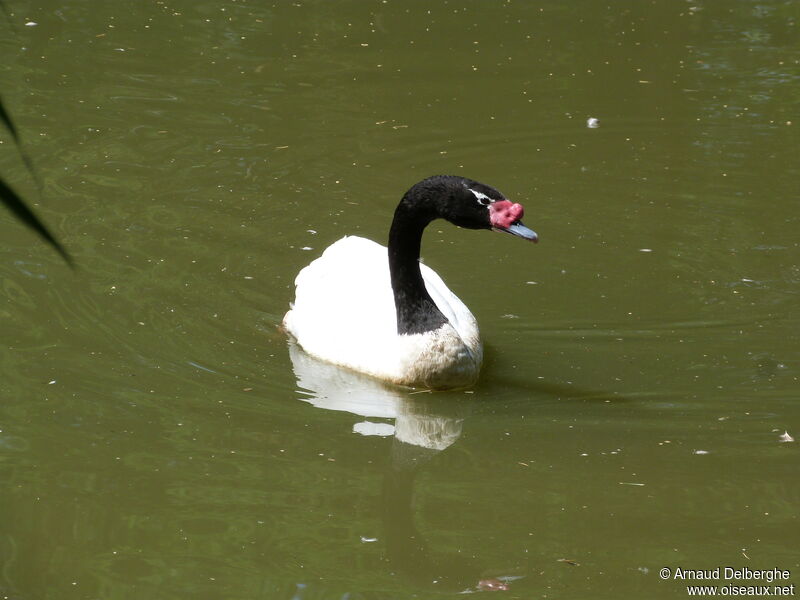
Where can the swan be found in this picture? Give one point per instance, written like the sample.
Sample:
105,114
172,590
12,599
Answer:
377,310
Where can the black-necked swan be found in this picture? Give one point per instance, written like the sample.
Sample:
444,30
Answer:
385,314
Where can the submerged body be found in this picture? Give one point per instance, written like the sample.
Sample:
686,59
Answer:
344,312
379,311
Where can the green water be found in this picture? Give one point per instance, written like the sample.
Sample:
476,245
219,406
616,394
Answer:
161,439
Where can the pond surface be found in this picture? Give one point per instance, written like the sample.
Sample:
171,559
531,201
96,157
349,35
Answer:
160,437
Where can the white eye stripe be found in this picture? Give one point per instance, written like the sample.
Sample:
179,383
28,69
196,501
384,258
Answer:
481,197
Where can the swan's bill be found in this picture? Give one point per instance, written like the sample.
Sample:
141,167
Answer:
505,215
519,230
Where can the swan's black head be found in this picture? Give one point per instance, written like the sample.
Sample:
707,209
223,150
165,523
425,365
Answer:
467,203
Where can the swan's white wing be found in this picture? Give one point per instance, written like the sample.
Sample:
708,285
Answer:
344,307
344,312
460,317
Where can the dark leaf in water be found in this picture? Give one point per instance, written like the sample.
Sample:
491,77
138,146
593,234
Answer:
17,206
6,119
9,124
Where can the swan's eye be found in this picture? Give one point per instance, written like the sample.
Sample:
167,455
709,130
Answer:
482,198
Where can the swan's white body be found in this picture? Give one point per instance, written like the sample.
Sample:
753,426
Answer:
344,313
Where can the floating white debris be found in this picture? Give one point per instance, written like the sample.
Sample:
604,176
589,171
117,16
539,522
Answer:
645,249
785,437
700,452
592,123
368,540
306,248
31,24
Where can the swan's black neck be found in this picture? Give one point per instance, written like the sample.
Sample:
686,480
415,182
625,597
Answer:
416,310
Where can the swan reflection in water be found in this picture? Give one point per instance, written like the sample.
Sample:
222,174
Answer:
422,428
